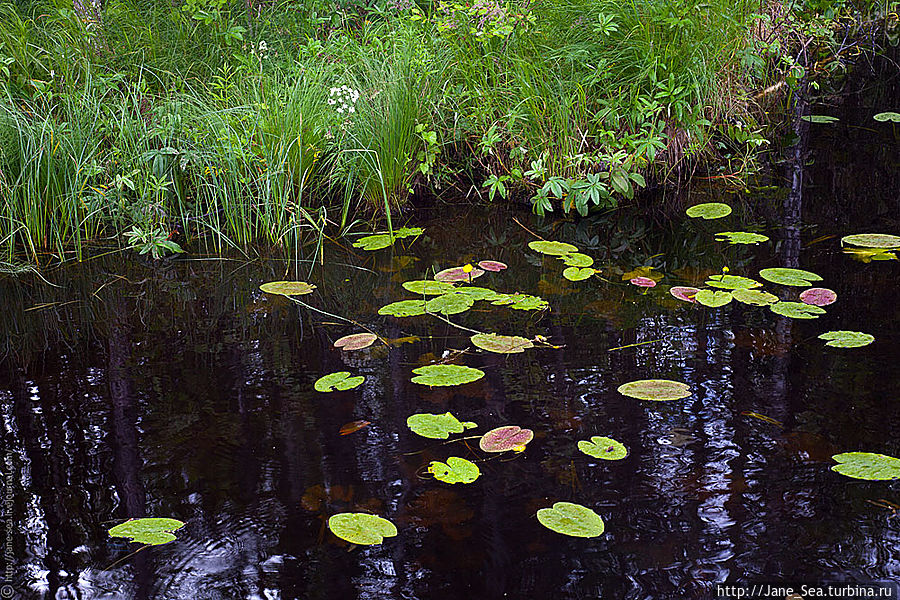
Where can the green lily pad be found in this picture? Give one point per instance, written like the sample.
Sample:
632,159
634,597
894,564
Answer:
405,232
784,276
552,248
604,448
872,240
577,259
847,339
455,470
437,427
287,288
741,237
577,273
712,298
867,465
658,390
446,375
797,310
374,242
503,439
339,381
153,531
457,274
361,528
820,119
754,297
356,341
818,296
501,344
477,293
709,210
428,287
403,308
887,116
732,282
520,301
449,304
571,519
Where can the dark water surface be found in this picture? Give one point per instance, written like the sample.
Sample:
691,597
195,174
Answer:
178,389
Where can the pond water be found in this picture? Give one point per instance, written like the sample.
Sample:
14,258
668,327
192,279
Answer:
180,390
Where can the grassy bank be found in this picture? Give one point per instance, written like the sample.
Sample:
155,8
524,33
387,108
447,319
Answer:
235,123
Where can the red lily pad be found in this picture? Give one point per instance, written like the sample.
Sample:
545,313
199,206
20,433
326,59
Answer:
508,437
818,296
643,282
491,265
356,341
458,274
685,293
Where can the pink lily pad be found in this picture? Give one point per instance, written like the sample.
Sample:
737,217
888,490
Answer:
818,296
684,292
508,437
491,265
454,274
643,282
356,341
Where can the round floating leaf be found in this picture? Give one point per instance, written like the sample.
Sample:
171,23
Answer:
508,437
709,210
887,116
374,242
152,531
501,344
520,301
754,297
571,519
552,248
655,389
867,465
356,341
784,276
361,528
820,119
456,470
437,427
403,308
477,293
446,375
577,259
604,448
455,274
818,296
339,381
491,265
847,339
732,282
796,310
428,287
684,292
712,299
741,237
872,240
405,232
287,288
578,274
642,282
450,304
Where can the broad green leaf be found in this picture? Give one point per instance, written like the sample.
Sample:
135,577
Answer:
405,232
741,237
887,116
520,301
428,287
477,293
503,439
361,528
818,296
571,519
604,448
658,390
820,119
501,344
712,299
339,381
732,282
577,259
784,276
552,248
446,375
754,297
847,339
287,288
796,310
437,427
449,304
403,308
709,210
374,242
455,470
577,273
152,531
356,341
872,240
867,465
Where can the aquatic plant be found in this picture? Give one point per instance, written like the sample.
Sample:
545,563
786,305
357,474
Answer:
287,288
872,240
792,277
659,390
867,465
152,531
446,375
708,211
437,427
506,438
818,296
571,519
684,293
361,528
713,298
403,308
604,448
355,341
741,237
796,310
501,344
847,339
552,248
340,381
449,304
455,470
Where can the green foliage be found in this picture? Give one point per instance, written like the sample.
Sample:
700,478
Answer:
604,448
455,470
438,427
361,528
339,381
446,375
847,339
655,389
867,465
571,519
709,210
792,277
501,344
152,531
